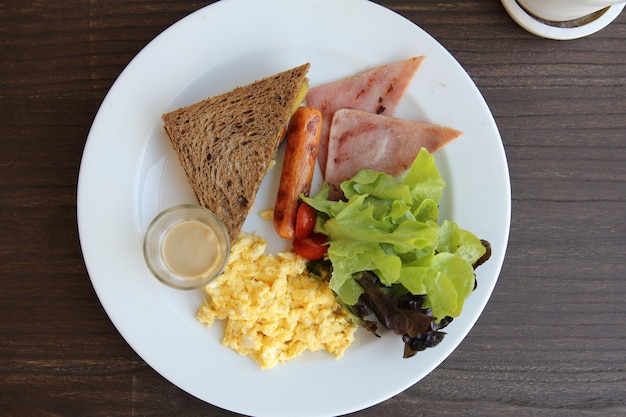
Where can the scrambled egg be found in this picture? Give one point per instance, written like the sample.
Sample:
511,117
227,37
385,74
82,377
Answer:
274,309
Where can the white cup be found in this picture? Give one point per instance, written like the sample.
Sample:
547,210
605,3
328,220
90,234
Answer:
564,10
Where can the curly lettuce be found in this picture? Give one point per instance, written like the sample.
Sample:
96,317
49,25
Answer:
389,226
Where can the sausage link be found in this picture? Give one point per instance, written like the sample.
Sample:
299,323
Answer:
303,138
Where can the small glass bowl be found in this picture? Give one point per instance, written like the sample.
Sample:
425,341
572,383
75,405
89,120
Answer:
159,229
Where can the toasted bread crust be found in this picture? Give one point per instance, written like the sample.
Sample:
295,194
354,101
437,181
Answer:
226,143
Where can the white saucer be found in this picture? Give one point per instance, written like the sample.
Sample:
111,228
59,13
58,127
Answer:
547,30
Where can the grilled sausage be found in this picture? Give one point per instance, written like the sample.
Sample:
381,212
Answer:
303,138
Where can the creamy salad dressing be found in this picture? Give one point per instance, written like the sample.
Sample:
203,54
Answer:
191,249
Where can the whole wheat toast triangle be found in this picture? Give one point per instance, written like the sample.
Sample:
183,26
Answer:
225,143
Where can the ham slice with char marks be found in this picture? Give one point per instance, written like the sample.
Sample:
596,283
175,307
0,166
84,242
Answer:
361,140
378,90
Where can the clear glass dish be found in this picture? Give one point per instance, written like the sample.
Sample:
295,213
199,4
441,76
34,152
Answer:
186,234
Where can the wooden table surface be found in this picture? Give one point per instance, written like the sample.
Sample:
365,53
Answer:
552,339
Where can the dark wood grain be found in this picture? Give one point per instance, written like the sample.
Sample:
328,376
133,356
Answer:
551,341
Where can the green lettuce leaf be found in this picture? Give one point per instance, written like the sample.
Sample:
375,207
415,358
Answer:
389,226
423,178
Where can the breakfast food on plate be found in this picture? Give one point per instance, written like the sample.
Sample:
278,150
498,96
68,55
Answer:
378,90
274,309
360,140
303,138
368,248
225,143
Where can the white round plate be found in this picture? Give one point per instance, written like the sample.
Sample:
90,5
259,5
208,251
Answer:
129,173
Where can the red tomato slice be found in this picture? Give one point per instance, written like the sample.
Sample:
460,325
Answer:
305,221
312,247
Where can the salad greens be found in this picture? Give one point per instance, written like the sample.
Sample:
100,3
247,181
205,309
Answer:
389,227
